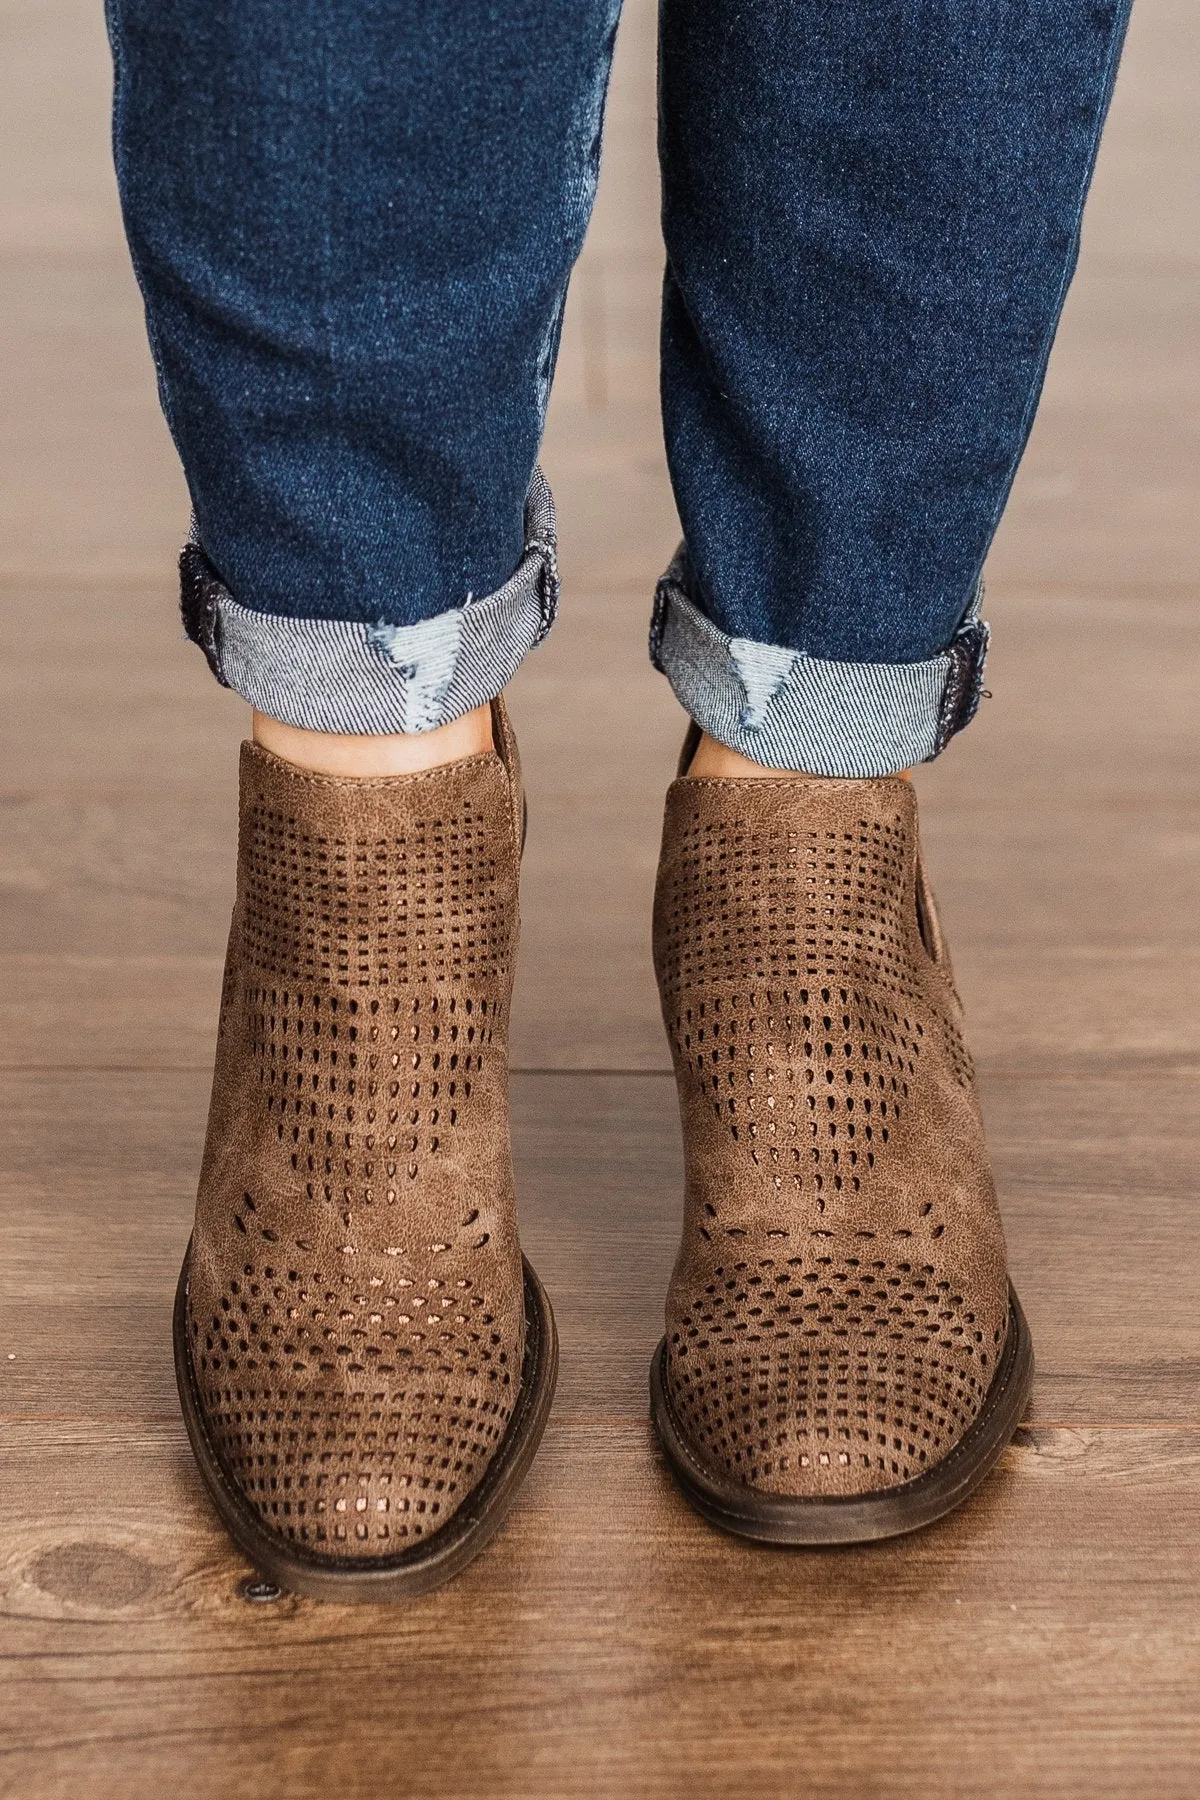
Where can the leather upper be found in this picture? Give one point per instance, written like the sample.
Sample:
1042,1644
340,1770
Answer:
840,1297
355,1296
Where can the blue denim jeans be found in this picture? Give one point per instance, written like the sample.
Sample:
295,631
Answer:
354,222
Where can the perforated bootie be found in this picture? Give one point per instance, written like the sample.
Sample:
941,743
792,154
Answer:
365,1363
844,1357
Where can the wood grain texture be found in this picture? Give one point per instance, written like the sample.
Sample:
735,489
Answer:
1043,1643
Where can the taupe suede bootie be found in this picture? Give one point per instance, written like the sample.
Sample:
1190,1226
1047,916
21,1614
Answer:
365,1363
844,1357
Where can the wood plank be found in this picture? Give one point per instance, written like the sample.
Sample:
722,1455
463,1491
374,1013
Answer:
609,1643
122,874
110,1012
1097,1175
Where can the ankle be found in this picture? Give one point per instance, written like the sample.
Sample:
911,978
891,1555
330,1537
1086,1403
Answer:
715,761
392,753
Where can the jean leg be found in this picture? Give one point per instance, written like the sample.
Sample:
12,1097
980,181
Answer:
872,215
353,223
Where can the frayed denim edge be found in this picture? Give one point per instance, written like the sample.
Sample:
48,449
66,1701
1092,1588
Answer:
787,710
336,675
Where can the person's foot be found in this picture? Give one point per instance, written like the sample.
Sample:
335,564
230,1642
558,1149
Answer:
365,1363
844,1358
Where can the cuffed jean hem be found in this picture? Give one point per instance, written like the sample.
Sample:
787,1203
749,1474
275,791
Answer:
336,675
788,710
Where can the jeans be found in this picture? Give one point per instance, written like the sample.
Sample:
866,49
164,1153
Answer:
354,222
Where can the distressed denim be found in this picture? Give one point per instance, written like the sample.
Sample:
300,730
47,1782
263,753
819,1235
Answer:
354,222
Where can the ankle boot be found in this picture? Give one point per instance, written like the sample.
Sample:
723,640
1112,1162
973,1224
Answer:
364,1360
844,1357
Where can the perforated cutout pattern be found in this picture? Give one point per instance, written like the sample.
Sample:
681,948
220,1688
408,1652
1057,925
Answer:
355,1411
811,1083
361,1093
833,1324
422,904
785,1368
958,1057
807,906
355,1306
798,902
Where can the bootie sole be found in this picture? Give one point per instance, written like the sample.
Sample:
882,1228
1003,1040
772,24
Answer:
438,1557
852,1518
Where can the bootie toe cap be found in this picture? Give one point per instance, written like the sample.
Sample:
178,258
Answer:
353,1408
828,1374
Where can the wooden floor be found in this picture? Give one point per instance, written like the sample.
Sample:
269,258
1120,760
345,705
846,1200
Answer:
1046,1641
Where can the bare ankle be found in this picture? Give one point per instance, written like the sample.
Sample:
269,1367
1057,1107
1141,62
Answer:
394,753
715,761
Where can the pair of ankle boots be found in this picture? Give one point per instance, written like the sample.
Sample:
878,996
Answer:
365,1360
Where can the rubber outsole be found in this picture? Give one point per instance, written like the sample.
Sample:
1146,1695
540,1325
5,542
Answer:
855,1519
425,1565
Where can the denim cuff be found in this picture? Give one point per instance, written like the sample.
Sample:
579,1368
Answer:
788,710
335,675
